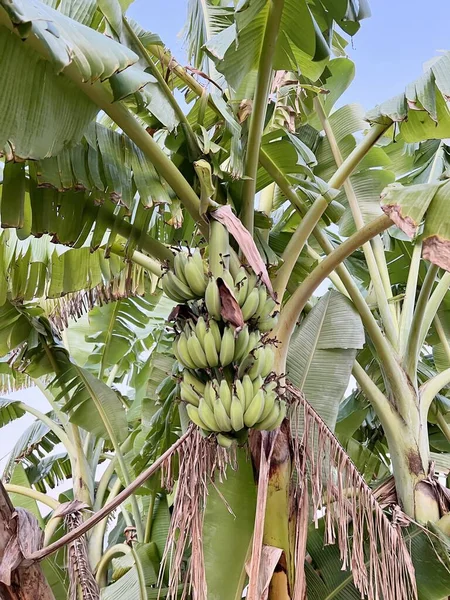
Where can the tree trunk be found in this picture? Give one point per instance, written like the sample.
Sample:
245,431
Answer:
27,583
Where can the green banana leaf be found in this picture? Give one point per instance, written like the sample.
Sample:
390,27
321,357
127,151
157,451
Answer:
227,535
322,352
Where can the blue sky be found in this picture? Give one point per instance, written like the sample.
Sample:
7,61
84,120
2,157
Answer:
389,50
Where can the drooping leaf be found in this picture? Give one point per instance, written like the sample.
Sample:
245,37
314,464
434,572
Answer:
421,111
227,535
55,111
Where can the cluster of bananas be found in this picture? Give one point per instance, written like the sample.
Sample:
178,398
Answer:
203,345
225,408
227,381
189,281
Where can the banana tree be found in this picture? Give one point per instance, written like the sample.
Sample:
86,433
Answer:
238,208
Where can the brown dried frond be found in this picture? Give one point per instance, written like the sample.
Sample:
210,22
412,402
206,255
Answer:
370,544
80,572
200,460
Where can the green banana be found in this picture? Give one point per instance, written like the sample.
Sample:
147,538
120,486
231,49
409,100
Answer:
267,324
248,389
179,264
250,305
236,414
245,365
196,352
181,289
241,285
227,347
192,412
225,395
258,364
221,416
216,333
195,277
209,395
197,259
228,278
271,386
254,411
253,341
207,416
191,380
212,299
241,343
262,300
269,402
268,360
268,309
257,384
240,392
209,346
183,352
169,289
269,421
188,395
224,440
281,417
200,329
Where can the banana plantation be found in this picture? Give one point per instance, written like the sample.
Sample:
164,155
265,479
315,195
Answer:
232,290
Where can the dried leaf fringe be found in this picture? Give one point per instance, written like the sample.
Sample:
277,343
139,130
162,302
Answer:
200,461
80,573
383,570
14,382
128,283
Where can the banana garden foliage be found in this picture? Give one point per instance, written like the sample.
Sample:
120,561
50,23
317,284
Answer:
159,269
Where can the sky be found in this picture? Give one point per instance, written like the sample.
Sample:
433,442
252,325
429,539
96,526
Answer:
388,51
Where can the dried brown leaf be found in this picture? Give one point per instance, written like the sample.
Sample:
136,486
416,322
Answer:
437,250
270,557
225,215
69,507
383,569
230,309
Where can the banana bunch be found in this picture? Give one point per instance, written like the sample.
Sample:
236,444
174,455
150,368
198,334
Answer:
202,345
227,409
188,279
257,305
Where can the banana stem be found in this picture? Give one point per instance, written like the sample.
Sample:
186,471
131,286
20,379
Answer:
296,245
442,337
387,311
259,110
414,344
293,308
190,135
31,493
432,387
410,297
102,567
